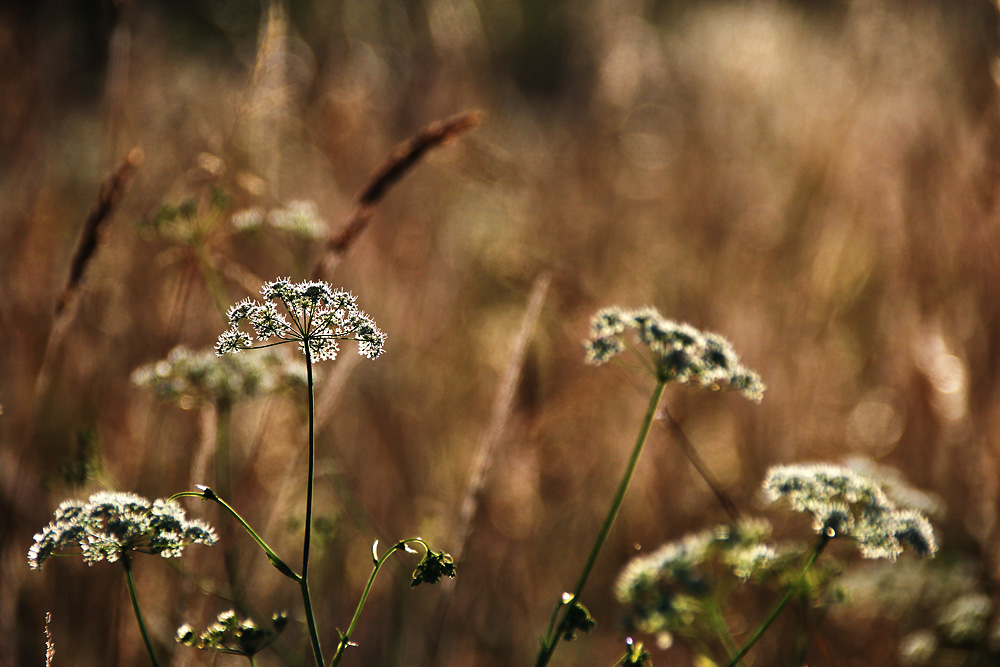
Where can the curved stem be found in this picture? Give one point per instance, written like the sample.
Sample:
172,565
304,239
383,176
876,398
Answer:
207,494
700,466
211,276
345,638
719,625
310,481
555,630
782,603
127,563
223,479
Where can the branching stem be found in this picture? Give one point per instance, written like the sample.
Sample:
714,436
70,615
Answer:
556,629
782,603
345,637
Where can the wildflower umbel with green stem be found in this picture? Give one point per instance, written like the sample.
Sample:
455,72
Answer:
234,635
113,526
679,588
844,504
674,353
320,317
215,385
430,570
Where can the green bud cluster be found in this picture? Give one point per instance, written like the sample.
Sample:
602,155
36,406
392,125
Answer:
233,635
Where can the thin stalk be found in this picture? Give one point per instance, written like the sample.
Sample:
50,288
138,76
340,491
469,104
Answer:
782,603
207,494
719,625
555,630
223,479
345,638
127,563
207,267
304,581
700,466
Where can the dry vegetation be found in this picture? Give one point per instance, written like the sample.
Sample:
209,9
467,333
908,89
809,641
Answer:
817,181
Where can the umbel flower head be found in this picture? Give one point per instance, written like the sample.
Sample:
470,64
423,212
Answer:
299,218
432,568
320,316
192,379
845,503
110,524
233,635
678,352
666,591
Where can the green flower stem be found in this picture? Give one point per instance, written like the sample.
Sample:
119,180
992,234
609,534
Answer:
719,625
782,603
311,482
345,637
208,270
555,630
207,494
223,410
127,563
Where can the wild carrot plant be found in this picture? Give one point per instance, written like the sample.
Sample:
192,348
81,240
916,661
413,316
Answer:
682,588
113,527
318,318
670,353
234,635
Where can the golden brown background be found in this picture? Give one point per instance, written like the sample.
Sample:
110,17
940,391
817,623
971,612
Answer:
818,181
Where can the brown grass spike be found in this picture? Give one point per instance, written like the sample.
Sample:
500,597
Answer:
107,199
408,154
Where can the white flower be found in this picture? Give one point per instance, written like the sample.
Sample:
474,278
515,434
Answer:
680,353
843,502
110,524
320,317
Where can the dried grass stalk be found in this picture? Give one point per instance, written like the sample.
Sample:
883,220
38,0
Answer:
406,155
107,199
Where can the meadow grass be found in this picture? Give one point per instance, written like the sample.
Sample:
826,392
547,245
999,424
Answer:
815,180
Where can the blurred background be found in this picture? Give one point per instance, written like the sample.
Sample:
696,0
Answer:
817,181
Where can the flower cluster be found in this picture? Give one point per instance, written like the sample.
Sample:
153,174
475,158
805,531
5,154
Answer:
667,590
320,316
577,619
843,502
680,353
432,567
635,655
964,625
967,618
300,218
230,634
192,378
943,608
897,487
109,524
